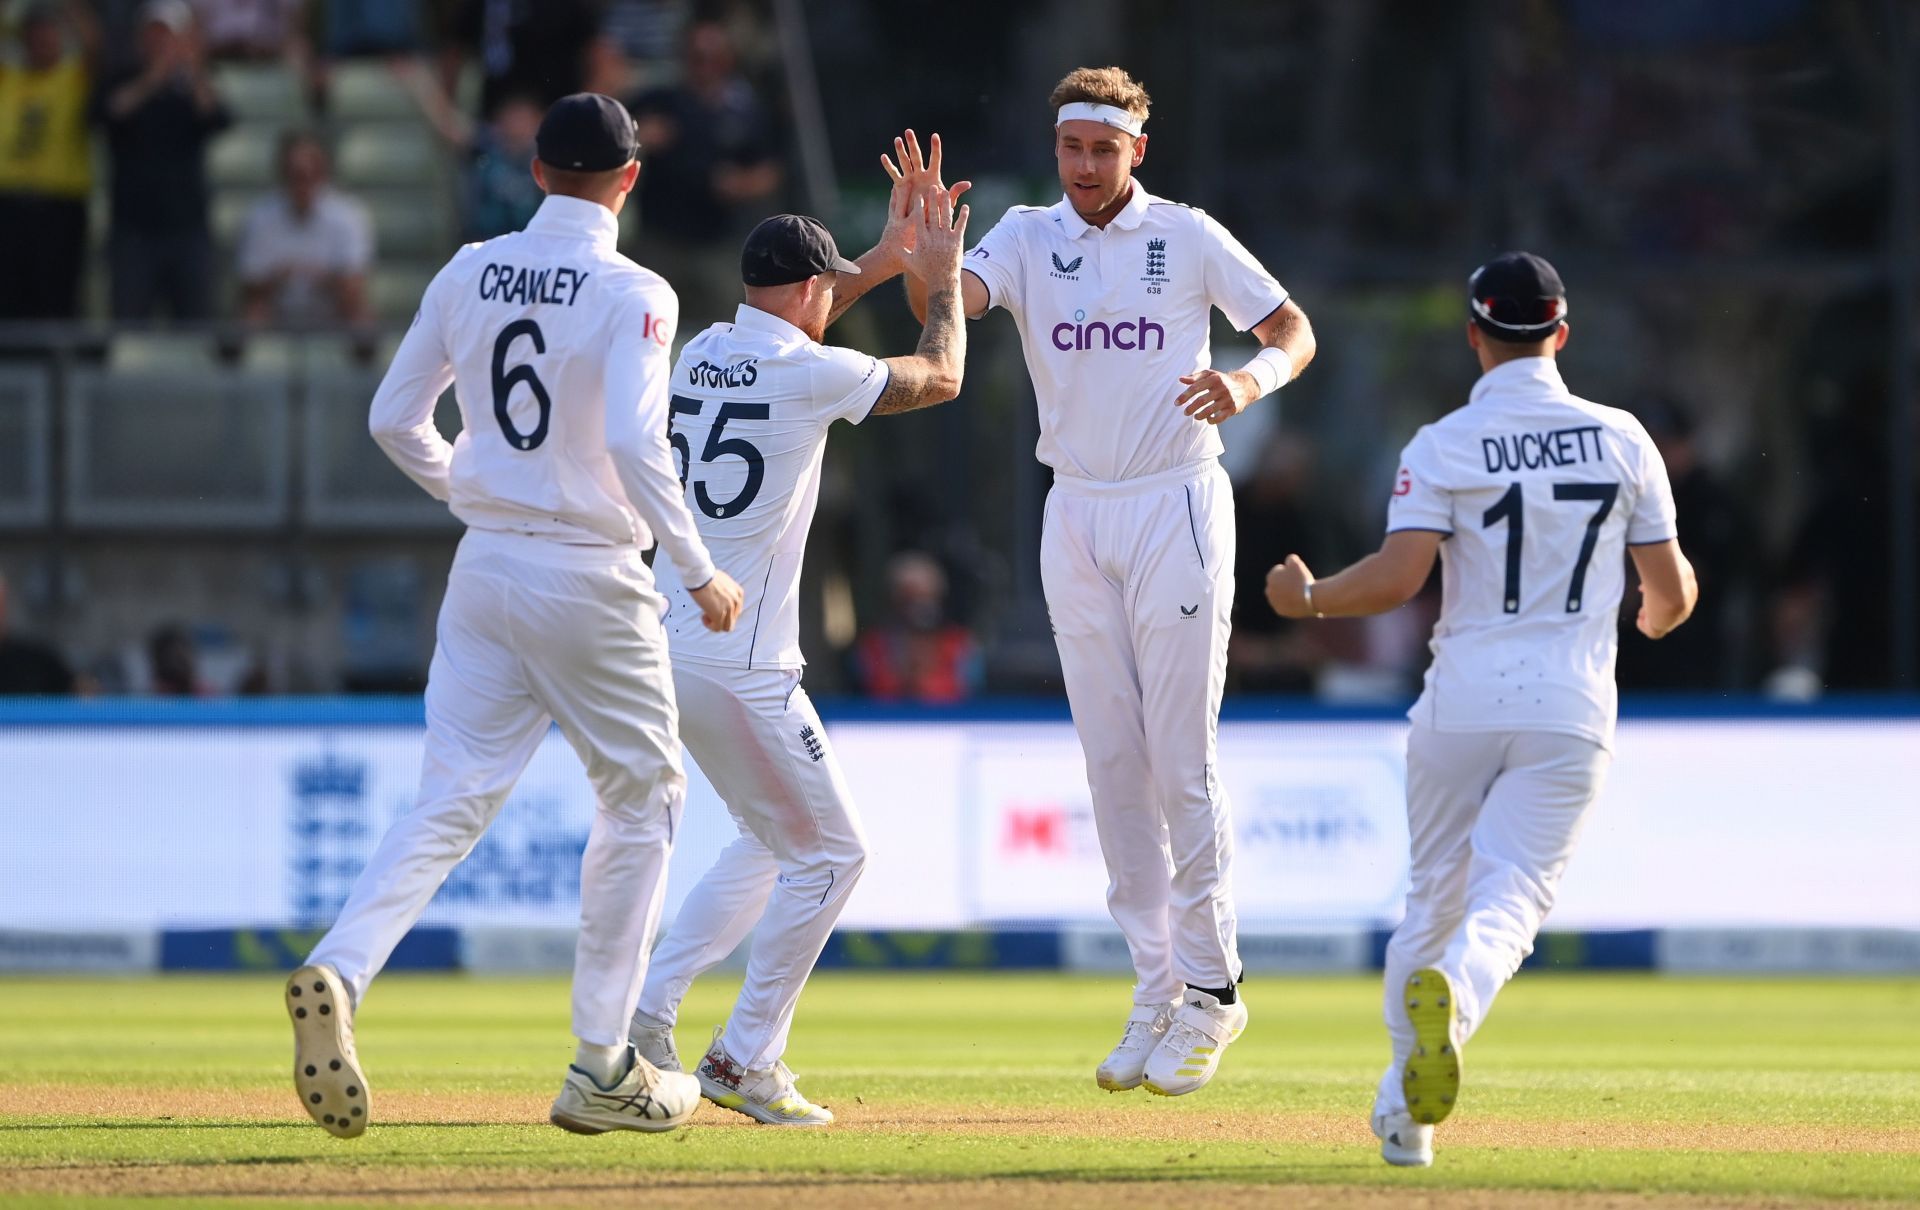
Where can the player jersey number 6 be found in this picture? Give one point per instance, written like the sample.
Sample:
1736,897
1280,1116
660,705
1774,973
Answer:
504,380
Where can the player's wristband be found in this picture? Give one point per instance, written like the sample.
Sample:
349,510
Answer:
1271,368
1307,592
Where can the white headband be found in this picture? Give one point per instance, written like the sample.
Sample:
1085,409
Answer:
1106,115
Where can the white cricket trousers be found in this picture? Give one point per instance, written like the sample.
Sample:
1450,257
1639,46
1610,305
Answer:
1493,818
1139,582
534,632
801,848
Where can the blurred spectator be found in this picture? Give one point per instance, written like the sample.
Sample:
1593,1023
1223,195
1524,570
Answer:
356,29
46,170
497,190
172,665
710,172
543,48
306,248
1833,612
1277,512
28,667
499,193
917,655
251,29
159,119
1719,537
645,35
1833,615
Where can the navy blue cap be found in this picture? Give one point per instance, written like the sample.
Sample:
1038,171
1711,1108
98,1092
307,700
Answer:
586,132
788,248
1517,297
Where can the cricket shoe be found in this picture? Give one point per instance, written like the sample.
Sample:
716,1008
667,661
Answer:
1127,1065
1188,1056
1404,1143
326,1072
767,1095
646,1098
655,1045
1431,1077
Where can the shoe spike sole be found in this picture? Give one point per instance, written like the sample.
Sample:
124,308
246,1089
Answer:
331,1086
1431,1077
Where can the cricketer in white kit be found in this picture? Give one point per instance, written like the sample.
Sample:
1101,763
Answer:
1531,497
1112,289
556,346
753,401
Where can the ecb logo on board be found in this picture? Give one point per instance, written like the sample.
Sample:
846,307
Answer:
331,835
529,860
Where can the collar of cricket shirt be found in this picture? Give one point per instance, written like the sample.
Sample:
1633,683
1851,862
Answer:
1519,373
576,216
1131,215
754,319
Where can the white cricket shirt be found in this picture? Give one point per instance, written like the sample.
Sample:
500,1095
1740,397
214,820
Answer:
752,402
1539,494
334,238
557,348
1110,318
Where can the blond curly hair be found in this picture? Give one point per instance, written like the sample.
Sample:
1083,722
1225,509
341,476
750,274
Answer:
1102,86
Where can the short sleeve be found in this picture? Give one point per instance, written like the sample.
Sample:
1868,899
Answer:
1654,518
1420,498
355,251
255,255
846,383
1237,284
995,260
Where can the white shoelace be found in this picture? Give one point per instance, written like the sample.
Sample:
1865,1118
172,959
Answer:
1148,1036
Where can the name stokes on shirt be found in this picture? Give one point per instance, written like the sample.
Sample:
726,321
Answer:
1532,451
522,285
739,374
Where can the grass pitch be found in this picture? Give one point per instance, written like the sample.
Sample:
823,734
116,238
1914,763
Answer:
975,1089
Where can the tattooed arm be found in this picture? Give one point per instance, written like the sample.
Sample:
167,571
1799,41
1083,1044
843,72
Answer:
932,375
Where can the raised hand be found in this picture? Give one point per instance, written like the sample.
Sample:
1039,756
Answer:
912,176
896,238
941,238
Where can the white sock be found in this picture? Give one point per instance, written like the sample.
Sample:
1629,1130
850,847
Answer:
606,1064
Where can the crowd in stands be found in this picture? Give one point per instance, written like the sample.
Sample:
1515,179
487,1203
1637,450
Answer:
1641,139
140,81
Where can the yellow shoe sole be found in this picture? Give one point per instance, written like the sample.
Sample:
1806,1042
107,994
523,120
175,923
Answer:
1431,1078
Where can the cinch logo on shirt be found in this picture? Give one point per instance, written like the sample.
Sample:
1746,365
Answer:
1129,334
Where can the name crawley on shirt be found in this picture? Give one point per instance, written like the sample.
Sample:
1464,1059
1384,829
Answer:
521,285
1531,451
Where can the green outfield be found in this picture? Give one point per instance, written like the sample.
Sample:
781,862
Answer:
975,1089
